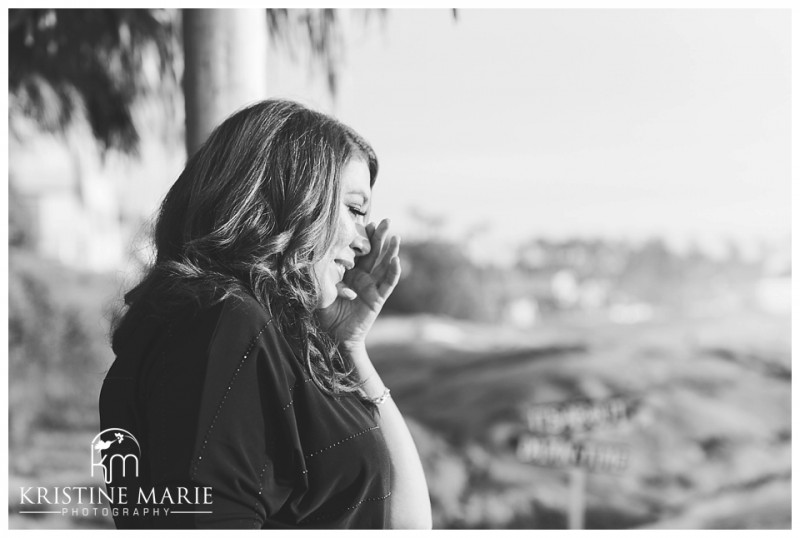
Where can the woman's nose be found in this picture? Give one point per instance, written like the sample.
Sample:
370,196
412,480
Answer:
361,242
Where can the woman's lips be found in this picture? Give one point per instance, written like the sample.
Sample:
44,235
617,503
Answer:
343,266
340,266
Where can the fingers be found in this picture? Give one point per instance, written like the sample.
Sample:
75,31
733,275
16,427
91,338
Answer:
387,273
376,236
382,263
345,292
392,278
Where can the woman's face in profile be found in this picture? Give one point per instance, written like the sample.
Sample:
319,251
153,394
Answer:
350,239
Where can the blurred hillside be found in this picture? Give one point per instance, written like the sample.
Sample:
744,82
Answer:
620,281
710,445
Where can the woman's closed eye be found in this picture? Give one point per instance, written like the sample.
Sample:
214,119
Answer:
357,211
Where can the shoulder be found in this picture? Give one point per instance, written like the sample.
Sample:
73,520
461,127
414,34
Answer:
247,338
250,369
243,309
237,320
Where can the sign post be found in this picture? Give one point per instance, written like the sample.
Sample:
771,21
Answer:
577,497
551,442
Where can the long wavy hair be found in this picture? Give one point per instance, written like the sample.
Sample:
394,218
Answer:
252,211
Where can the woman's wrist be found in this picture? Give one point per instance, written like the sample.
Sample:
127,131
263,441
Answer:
353,347
372,386
357,353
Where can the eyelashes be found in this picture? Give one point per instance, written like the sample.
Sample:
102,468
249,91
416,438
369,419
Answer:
355,210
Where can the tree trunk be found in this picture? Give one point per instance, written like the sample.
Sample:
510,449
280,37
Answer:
225,66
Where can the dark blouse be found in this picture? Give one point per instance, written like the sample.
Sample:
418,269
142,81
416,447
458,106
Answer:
220,399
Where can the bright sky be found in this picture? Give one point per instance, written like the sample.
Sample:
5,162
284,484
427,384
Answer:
618,123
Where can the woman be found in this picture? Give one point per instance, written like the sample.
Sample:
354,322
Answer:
241,367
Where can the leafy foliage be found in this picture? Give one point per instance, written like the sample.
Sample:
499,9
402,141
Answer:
20,223
57,345
439,278
66,61
321,30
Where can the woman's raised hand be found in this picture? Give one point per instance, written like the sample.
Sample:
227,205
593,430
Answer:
364,289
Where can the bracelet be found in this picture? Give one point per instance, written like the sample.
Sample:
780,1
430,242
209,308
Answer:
382,398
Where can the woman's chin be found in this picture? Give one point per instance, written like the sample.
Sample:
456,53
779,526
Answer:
326,299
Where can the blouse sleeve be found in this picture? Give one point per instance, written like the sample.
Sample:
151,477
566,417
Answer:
247,447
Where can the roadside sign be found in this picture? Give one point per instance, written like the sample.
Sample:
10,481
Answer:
550,442
557,452
577,416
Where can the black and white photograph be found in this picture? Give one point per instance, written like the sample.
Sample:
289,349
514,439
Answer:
399,268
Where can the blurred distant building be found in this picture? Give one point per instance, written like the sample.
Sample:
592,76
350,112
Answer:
627,313
774,294
774,289
565,288
594,293
522,312
535,294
